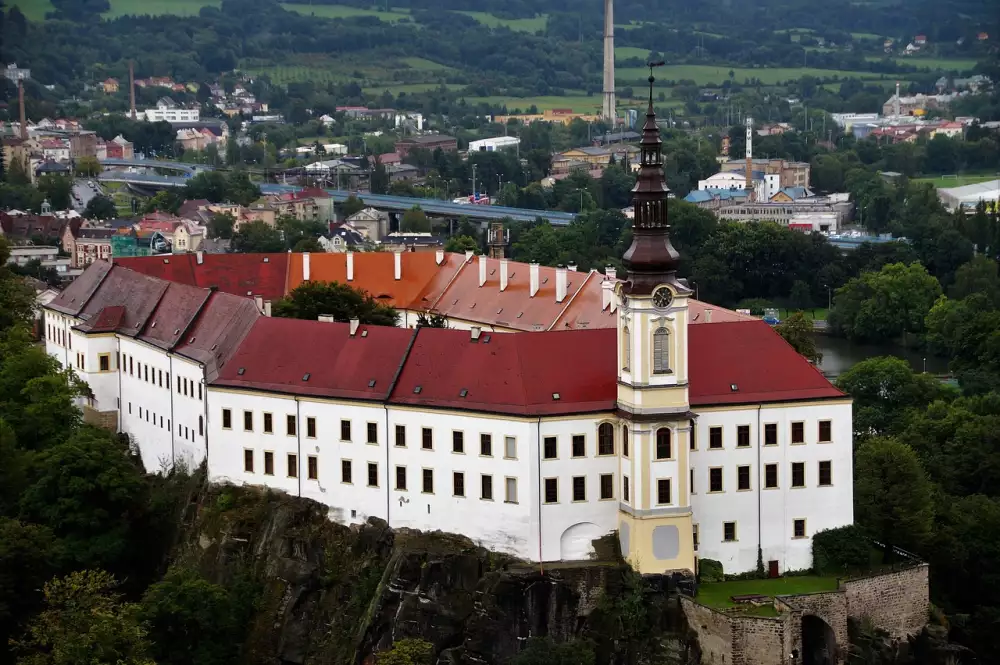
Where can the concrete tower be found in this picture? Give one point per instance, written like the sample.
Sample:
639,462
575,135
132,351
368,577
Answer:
749,167
131,88
608,106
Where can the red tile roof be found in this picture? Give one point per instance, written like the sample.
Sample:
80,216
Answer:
217,332
109,319
75,296
174,313
136,293
278,354
239,274
754,358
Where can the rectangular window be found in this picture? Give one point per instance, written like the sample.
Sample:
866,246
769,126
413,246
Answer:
551,490
771,434
549,447
825,474
227,419
248,461
798,528
372,474
293,465
770,476
458,483
486,445
663,491
487,488
159,374
168,380
185,385
729,532
715,480
104,362
268,463
372,432
199,392
311,427
691,480
458,442
345,430
743,436
509,447
625,488
798,474
715,437
427,438
579,488
607,486
428,484
313,463
798,432
131,367
743,477
290,425
346,471
268,424
510,490
146,373
579,445
400,436
400,477
825,431
248,421
694,529
201,425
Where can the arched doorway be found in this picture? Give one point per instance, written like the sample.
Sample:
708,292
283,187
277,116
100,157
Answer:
576,543
819,644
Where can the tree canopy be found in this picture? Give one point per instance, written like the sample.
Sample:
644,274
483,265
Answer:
311,300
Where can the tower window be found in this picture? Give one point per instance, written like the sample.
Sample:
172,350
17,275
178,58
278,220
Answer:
661,351
605,439
626,349
663,443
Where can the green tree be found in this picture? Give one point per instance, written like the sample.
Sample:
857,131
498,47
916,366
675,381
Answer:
88,166
379,179
798,331
978,276
257,236
295,230
351,205
58,190
85,621
431,319
894,500
220,225
16,297
16,172
29,555
546,651
100,207
308,245
800,296
461,244
311,300
165,200
88,491
415,221
409,651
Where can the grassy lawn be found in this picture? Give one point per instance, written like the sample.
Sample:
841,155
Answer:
949,181
424,64
520,24
817,314
718,594
341,11
933,64
396,88
705,74
579,103
157,7
865,35
624,52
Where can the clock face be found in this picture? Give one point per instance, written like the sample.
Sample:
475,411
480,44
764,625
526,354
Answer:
662,297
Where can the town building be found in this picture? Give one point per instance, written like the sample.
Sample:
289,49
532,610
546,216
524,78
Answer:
792,174
110,86
430,142
167,110
684,434
46,255
967,197
494,144
310,204
765,185
86,244
564,116
371,223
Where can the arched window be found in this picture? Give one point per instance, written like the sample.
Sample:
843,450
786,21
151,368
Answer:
625,441
626,349
661,351
663,444
605,439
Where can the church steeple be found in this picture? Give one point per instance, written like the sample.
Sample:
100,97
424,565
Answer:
651,259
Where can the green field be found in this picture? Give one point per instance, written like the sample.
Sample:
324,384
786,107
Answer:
578,103
33,10
157,7
520,24
865,35
717,594
408,88
934,64
342,11
948,181
623,52
705,74
423,64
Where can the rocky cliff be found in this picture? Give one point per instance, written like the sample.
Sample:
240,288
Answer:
333,594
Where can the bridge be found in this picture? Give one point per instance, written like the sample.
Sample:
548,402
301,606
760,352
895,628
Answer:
144,179
156,164
437,208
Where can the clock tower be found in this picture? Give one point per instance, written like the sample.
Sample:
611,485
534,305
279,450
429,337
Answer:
655,528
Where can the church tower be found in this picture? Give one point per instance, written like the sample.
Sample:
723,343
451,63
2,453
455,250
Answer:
655,527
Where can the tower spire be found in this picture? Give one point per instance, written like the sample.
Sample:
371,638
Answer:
651,259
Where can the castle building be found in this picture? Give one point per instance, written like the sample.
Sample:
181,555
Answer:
686,430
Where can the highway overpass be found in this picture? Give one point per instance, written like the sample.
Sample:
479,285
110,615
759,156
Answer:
155,164
144,179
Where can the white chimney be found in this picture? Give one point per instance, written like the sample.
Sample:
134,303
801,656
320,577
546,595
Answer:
439,257
571,267
305,267
397,260
708,315
503,274
560,284
476,331
325,318
199,257
259,302
533,279
469,254
267,308
482,269
354,326
611,273
350,266
607,293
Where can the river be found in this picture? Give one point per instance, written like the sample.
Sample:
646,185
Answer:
839,355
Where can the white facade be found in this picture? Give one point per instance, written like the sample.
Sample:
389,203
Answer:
172,115
764,188
494,144
821,222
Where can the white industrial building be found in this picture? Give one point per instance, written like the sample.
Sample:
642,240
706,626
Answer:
969,196
765,185
494,144
688,431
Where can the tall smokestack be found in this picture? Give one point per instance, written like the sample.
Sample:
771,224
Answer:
749,168
608,107
131,88
895,106
20,102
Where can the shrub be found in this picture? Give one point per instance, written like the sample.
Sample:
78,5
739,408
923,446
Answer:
710,570
841,550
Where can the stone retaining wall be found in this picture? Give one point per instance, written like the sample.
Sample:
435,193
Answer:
895,602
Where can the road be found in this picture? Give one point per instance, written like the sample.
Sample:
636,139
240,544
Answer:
83,192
